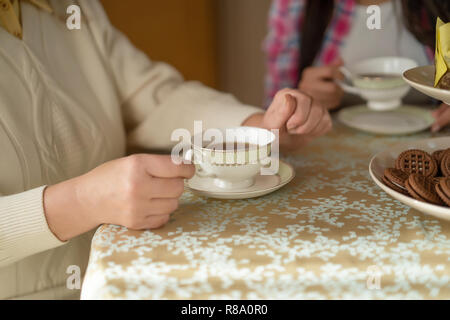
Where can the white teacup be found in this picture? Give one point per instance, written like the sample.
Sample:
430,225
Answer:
234,160
379,81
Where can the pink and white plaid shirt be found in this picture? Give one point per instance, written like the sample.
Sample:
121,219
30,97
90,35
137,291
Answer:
283,41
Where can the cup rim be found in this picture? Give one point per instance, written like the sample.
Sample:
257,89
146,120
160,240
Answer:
202,148
353,67
378,79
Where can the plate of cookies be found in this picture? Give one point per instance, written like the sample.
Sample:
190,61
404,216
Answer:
417,174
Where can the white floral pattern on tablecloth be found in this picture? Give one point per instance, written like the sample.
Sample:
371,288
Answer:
330,234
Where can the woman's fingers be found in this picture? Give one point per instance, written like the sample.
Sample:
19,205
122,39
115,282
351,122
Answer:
149,214
158,207
141,210
294,140
314,73
442,116
325,87
327,92
146,187
329,72
153,222
317,122
323,90
302,111
164,188
324,126
281,109
436,113
330,99
314,118
163,167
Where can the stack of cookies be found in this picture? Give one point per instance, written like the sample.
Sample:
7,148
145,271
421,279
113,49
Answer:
422,176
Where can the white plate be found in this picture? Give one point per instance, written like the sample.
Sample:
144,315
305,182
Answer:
263,185
404,120
422,79
386,159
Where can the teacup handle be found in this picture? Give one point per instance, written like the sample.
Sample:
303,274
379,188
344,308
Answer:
347,73
203,174
347,88
189,156
268,164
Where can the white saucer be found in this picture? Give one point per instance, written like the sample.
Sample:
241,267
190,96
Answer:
386,159
403,120
263,185
422,79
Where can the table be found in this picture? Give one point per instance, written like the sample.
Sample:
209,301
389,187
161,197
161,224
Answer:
330,234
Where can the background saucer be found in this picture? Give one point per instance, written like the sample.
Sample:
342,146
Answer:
263,185
403,120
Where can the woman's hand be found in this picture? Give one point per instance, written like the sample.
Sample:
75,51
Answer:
138,192
319,83
298,117
442,116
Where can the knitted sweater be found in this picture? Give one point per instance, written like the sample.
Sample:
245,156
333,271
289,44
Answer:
69,101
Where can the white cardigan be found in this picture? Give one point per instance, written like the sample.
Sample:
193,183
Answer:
69,101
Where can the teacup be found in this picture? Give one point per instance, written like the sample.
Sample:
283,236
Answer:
233,157
379,81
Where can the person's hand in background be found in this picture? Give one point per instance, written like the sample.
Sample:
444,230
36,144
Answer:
299,118
319,83
138,192
441,116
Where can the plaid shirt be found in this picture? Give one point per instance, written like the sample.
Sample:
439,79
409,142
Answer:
282,44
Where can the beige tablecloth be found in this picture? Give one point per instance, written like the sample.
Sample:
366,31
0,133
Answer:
330,234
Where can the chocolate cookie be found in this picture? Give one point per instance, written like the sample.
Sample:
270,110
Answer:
443,190
417,161
395,179
444,82
422,188
437,155
445,163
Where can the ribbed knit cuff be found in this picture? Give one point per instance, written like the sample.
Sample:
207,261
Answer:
23,227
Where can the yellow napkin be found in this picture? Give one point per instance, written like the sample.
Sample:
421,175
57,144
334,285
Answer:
442,50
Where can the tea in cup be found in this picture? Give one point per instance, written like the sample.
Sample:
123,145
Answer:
232,157
373,80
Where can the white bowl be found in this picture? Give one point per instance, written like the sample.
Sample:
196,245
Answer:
383,94
386,159
422,79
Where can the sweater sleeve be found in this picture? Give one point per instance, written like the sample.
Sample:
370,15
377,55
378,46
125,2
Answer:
156,99
23,228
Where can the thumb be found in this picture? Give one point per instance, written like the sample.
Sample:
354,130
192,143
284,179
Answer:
439,111
337,74
279,113
337,62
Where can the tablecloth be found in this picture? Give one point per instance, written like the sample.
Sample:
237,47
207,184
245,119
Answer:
329,234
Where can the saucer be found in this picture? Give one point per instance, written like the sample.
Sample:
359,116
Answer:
422,79
263,185
404,120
